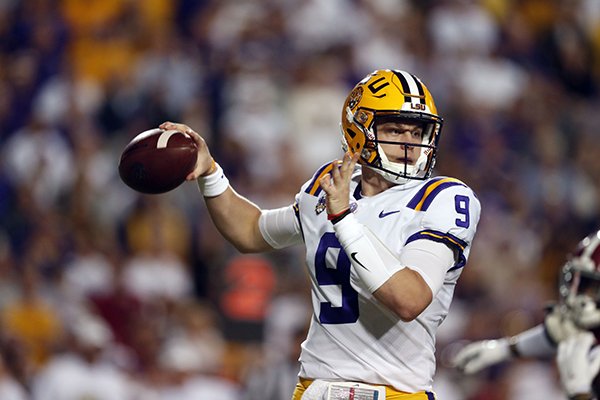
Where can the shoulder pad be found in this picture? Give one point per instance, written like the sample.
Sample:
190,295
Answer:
426,195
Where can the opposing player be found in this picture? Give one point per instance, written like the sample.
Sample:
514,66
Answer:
385,243
574,320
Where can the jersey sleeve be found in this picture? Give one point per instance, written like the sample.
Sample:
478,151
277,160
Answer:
451,213
281,227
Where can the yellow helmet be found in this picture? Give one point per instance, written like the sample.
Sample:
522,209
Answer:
390,95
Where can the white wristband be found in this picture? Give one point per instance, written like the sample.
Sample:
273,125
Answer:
214,184
370,259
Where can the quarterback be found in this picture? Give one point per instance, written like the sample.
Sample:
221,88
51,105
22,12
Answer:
385,242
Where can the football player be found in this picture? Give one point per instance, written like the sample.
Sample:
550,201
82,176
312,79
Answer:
571,327
385,242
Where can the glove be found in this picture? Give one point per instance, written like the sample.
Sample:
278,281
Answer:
577,365
479,355
559,324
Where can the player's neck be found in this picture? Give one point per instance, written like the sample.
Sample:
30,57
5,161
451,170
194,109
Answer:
373,183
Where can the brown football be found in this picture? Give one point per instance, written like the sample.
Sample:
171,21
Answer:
157,161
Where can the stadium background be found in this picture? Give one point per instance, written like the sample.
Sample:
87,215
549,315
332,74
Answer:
147,279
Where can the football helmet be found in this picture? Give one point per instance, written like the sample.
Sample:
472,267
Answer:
580,283
391,96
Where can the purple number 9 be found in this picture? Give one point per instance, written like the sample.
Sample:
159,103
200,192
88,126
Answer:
339,275
461,205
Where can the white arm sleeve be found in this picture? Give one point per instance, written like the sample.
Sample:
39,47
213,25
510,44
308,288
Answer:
371,260
280,227
430,259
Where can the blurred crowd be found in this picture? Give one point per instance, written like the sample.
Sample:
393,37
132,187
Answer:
109,294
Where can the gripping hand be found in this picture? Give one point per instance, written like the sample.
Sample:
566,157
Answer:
205,163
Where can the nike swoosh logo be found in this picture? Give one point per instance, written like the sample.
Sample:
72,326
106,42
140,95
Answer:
384,214
353,255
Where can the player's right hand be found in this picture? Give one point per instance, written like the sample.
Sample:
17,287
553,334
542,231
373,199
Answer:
477,356
205,162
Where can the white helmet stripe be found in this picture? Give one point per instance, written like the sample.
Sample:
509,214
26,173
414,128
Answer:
413,87
420,87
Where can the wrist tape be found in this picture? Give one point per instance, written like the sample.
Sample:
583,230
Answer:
335,218
214,184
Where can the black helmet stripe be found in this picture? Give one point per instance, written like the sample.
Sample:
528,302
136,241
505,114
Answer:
412,87
420,88
405,86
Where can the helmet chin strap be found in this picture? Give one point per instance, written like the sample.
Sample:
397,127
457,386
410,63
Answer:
392,178
408,170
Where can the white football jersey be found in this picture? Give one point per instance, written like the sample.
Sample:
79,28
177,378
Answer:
352,336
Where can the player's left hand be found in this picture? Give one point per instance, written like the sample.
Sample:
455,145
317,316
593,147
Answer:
337,184
578,365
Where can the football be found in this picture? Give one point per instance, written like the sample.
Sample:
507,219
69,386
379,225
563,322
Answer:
157,161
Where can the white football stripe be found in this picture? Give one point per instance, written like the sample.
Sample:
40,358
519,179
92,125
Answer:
145,134
163,139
